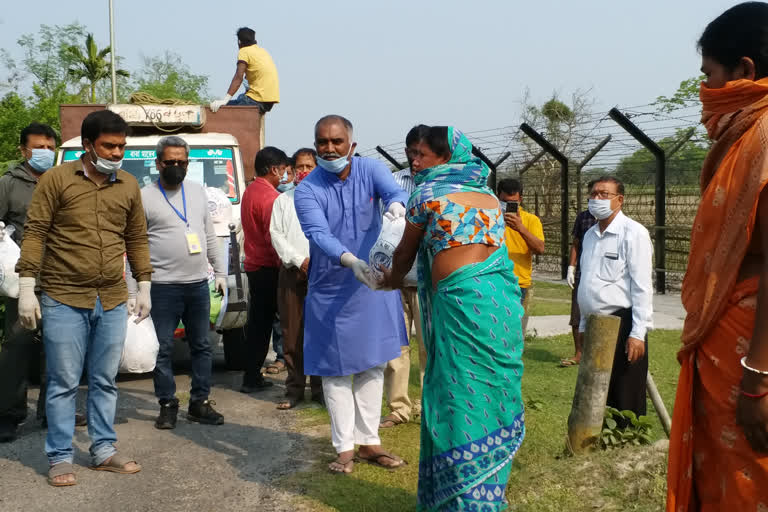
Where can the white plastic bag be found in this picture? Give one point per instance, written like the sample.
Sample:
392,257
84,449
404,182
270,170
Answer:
141,347
9,255
381,253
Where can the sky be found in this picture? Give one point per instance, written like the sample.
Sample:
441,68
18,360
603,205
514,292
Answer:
389,65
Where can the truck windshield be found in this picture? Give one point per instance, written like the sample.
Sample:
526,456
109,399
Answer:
210,167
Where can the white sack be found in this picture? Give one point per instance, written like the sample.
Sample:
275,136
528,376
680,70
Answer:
9,255
381,253
141,347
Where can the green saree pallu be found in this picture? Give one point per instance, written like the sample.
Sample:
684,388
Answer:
472,412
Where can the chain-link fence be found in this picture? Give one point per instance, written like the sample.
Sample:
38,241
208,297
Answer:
604,144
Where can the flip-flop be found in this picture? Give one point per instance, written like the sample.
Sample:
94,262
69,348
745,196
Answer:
61,469
374,460
116,464
290,402
276,367
565,363
344,464
390,418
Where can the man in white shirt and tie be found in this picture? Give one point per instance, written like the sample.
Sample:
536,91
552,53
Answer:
616,269
292,248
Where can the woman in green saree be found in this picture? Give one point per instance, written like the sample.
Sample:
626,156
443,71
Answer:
472,414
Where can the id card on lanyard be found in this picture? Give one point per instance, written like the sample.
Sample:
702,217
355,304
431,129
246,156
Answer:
193,241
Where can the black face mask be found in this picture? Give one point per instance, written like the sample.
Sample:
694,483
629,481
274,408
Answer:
173,175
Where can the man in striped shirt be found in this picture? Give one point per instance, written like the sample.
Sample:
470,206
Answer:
398,370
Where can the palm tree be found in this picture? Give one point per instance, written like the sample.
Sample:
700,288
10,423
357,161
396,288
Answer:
91,65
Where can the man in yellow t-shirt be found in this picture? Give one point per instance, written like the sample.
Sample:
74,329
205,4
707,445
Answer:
524,233
256,65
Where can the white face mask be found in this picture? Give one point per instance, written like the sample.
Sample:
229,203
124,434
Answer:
103,165
600,208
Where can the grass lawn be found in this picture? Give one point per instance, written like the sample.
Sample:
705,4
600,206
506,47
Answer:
550,299
541,480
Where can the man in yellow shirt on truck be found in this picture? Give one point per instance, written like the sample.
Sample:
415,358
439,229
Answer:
256,65
524,233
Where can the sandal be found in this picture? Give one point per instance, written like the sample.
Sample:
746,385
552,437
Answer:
116,464
288,403
61,469
346,465
276,367
374,460
390,421
565,363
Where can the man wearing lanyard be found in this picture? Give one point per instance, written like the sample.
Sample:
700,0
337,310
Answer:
182,241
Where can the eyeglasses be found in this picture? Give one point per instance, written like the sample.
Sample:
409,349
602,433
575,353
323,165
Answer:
602,194
181,163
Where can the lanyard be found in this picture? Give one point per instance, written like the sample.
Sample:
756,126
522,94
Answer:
183,202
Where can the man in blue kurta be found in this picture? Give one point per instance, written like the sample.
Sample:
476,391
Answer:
350,331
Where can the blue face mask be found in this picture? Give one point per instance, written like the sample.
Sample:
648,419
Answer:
334,166
41,159
285,187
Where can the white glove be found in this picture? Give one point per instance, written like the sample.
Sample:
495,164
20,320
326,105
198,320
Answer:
217,104
2,231
570,278
360,268
397,210
143,301
130,305
220,285
29,307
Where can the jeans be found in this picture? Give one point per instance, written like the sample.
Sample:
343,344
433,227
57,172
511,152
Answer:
262,286
277,339
190,303
74,338
244,100
18,351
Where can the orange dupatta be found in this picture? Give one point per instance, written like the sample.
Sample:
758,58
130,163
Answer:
732,178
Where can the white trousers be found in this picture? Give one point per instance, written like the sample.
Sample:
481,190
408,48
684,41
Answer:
354,404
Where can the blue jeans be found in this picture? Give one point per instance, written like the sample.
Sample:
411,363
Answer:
243,100
190,303
74,338
277,339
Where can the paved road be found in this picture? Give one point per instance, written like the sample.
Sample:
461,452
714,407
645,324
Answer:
231,467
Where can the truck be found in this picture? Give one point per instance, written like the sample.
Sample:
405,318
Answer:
223,146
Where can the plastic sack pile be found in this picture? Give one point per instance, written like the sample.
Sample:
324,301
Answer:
381,253
9,255
141,347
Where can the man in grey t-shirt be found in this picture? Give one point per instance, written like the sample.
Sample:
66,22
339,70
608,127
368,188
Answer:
182,241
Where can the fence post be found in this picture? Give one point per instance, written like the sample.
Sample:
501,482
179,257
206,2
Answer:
581,165
531,162
563,160
492,177
661,193
588,410
390,158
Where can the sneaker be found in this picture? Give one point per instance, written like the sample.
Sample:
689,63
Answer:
203,412
168,411
7,430
257,385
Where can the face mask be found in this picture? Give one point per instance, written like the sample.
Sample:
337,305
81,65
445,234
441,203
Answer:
173,175
600,208
334,166
105,166
285,187
41,160
284,178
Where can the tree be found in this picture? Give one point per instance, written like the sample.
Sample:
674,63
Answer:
14,116
687,95
682,168
91,66
168,77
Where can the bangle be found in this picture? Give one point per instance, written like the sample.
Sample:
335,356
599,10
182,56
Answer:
750,395
753,370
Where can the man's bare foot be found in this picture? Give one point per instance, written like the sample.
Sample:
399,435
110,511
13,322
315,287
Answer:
375,454
61,475
343,463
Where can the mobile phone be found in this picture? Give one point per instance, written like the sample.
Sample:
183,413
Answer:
512,206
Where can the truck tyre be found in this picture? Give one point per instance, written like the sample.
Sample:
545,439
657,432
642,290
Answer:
234,348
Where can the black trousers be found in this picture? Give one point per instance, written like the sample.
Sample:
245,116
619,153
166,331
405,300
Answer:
627,387
18,353
262,286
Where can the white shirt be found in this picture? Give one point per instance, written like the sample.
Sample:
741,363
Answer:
404,179
288,239
616,273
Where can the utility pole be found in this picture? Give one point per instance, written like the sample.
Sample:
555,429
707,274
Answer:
112,51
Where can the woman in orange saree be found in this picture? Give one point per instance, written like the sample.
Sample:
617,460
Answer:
718,454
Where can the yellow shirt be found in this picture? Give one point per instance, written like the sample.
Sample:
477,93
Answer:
518,249
261,74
